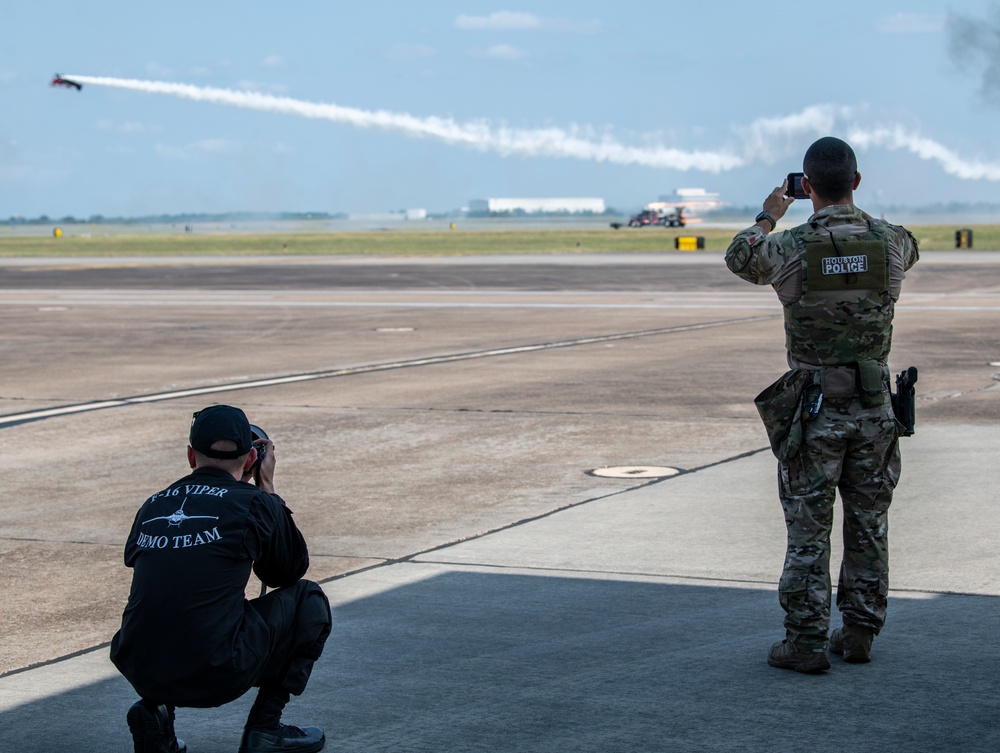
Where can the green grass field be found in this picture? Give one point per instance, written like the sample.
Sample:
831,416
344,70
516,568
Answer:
418,243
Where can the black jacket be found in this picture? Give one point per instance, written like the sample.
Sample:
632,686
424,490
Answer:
188,632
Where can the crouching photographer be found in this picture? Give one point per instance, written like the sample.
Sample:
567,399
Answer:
189,637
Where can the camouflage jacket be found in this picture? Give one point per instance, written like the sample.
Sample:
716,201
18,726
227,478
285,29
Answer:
830,326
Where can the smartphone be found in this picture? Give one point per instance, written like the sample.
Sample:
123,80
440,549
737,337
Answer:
794,189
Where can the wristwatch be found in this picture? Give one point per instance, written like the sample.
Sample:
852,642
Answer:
765,215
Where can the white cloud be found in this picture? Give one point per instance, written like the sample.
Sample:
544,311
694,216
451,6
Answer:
506,20
272,61
218,148
201,71
198,149
260,86
910,23
131,126
503,20
410,52
502,52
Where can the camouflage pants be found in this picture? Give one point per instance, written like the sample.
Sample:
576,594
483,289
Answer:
855,450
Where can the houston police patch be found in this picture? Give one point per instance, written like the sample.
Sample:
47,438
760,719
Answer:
842,265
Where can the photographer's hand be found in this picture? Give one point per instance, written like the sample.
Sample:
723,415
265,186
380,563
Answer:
776,204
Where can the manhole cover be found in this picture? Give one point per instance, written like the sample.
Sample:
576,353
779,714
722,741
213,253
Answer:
635,471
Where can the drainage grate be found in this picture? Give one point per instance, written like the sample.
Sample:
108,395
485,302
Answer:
634,471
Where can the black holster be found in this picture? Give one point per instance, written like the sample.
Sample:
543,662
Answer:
904,400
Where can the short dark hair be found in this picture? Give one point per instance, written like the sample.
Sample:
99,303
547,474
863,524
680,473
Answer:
830,166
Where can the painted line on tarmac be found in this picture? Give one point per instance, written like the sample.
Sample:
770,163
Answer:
389,304
14,419
246,297
52,300
52,304
67,302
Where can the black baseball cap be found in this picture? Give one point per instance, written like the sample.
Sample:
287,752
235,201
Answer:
217,422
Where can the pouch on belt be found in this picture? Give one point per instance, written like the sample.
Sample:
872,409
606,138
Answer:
839,383
780,408
873,377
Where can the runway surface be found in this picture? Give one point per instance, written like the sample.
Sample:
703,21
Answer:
419,404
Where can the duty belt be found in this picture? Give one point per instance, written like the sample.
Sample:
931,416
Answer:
868,379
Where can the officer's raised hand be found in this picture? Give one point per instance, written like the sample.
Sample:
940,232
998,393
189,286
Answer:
777,203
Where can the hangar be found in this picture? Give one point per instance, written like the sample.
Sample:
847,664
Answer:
537,206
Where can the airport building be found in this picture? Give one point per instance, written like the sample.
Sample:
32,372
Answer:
536,206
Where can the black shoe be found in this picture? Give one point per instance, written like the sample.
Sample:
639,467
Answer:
152,728
284,739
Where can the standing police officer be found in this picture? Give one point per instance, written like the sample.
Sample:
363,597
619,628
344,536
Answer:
829,419
189,637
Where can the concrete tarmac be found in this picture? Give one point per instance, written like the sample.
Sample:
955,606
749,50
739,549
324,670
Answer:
489,593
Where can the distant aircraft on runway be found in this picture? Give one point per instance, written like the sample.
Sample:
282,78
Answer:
58,80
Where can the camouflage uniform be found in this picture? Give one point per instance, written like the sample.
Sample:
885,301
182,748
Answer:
838,277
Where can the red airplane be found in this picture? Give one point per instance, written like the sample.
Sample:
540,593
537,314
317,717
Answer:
60,81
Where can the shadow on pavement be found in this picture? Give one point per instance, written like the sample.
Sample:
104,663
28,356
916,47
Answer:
493,661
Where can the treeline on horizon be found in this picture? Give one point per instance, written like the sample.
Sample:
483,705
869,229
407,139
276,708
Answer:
174,219
194,217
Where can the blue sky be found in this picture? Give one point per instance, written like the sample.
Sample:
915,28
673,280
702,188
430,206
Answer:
734,90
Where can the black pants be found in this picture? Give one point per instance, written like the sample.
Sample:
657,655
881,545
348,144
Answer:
299,620
299,617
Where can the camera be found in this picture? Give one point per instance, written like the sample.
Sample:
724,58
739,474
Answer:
794,189
258,433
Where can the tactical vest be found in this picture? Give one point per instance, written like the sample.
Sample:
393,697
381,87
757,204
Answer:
845,313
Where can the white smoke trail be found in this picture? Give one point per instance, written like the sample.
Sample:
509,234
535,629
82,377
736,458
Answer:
772,139
577,143
765,140
897,137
